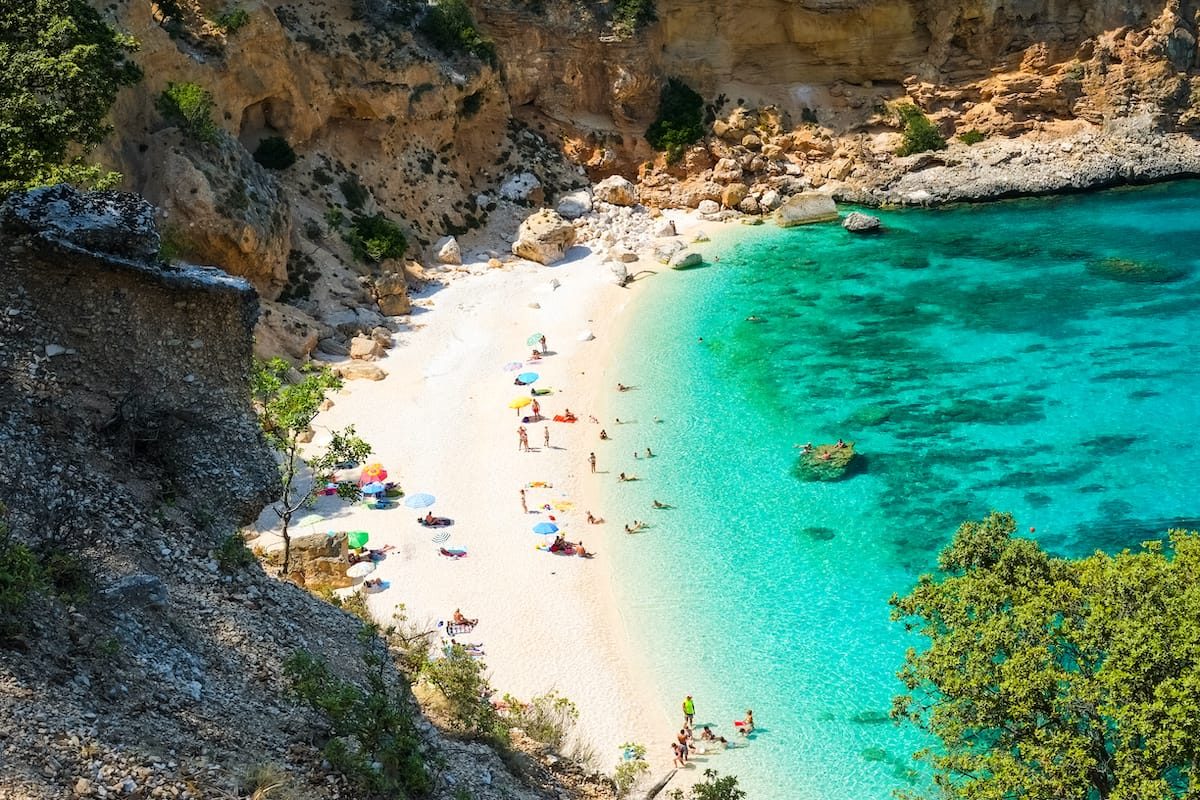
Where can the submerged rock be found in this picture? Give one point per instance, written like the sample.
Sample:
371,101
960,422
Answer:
826,462
1128,270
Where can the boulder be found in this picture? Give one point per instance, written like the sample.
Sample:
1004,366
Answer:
364,348
283,330
616,190
624,255
665,228
114,223
574,205
138,591
391,293
806,208
733,194
524,188
358,371
749,205
353,321
770,200
321,559
383,337
447,250
727,170
667,250
708,207
686,259
860,223
544,237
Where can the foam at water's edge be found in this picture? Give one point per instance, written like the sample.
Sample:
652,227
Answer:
979,357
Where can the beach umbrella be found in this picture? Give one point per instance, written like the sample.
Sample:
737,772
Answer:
374,488
520,402
545,527
563,505
360,570
513,365
357,539
372,473
585,336
419,500
527,377
310,520
534,338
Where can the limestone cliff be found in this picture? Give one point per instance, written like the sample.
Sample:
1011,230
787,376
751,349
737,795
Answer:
149,664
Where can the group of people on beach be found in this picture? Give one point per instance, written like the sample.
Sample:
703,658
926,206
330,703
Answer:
686,740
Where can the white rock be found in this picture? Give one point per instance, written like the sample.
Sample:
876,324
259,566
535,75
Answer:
574,205
708,207
585,336
805,208
665,228
685,259
544,237
770,200
616,190
53,350
448,251
365,348
523,187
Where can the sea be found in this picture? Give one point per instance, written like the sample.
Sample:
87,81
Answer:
1033,356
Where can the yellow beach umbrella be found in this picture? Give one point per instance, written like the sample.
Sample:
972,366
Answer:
563,505
520,402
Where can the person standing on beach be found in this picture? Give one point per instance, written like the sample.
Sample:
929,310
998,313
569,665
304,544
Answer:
537,409
543,344
592,461
546,437
524,507
689,710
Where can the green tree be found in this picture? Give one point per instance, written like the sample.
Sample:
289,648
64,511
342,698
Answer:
680,119
1057,678
61,67
713,787
920,135
461,681
285,412
189,106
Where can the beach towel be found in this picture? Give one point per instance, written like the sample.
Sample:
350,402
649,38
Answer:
455,628
452,552
561,418
566,551
539,485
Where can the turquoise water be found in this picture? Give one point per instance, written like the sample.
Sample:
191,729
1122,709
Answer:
980,358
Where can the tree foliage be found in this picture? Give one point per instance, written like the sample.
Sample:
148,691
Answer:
1056,678
375,238
21,577
680,119
190,106
373,741
713,787
61,67
920,135
450,28
461,681
285,412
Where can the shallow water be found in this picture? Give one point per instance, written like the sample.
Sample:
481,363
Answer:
979,357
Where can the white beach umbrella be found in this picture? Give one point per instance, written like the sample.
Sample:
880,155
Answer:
360,570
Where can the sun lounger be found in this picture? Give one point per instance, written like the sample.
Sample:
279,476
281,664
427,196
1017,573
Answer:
456,628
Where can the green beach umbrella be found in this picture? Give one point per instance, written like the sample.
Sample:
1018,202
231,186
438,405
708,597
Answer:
310,520
534,338
357,539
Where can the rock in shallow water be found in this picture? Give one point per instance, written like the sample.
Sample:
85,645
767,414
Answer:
827,462
860,223
806,208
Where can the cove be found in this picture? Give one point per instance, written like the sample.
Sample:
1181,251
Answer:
1035,356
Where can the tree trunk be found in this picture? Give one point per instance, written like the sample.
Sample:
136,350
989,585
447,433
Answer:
287,545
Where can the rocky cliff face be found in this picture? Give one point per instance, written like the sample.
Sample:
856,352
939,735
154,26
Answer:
813,81
149,665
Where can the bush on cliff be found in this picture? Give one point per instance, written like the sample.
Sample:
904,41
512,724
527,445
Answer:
375,238
20,578
629,16
189,106
450,28
680,120
63,67
920,135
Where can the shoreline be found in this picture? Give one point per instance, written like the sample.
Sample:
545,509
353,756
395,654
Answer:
440,423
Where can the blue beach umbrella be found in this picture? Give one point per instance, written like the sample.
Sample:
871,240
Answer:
527,377
420,500
545,527
374,487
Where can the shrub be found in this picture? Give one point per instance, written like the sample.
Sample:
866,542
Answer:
450,28
232,554
712,788
971,137
334,217
20,578
375,238
631,769
631,15
460,680
355,193
355,603
548,718
920,135
374,743
67,574
274,152
189,106
232,20
679,122
409,641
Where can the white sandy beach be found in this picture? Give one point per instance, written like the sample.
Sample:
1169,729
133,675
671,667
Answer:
440,423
